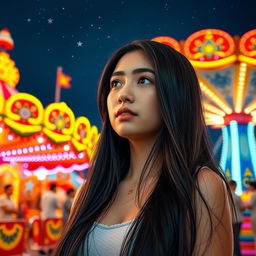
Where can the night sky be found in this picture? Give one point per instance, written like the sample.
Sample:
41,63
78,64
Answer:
81,35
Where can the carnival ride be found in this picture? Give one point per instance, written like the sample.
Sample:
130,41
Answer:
226,69
38,142
38,146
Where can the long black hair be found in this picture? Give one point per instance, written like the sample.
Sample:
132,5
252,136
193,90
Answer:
166,224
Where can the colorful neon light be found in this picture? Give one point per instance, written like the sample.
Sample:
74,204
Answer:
217,99
240,88
236,169
27,150
224,153
252,144
213,119
42,157
250,107
213,109
57,169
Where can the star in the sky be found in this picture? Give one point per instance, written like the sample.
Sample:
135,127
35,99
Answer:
28,20
63,8
50,21
79,43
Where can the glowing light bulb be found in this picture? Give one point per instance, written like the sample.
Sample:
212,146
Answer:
66,147
40,139
10,137
43,147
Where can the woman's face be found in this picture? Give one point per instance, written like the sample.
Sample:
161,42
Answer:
132,101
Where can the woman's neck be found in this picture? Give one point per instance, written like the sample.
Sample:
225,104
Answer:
139,152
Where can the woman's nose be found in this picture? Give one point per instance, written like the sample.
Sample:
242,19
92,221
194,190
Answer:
126,94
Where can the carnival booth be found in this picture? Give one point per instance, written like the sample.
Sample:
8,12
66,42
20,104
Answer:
226,69
13,237
38,146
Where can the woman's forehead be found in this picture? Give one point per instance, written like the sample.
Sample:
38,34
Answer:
133,60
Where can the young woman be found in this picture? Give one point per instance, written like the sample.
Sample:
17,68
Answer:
153,188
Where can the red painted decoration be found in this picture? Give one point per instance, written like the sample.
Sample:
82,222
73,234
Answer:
247,44
241,118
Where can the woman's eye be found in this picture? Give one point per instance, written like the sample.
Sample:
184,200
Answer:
115,83
144,80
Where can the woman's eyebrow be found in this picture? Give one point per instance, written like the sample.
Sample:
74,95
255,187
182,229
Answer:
135,71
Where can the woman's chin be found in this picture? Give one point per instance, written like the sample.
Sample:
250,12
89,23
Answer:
128,134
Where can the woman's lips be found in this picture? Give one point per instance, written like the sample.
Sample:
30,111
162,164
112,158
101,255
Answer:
125,116
125,111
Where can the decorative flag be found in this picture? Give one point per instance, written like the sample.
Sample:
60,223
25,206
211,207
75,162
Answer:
63,80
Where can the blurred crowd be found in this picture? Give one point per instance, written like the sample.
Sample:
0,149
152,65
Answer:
50,204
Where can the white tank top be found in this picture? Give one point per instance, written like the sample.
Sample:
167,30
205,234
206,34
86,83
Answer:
106,240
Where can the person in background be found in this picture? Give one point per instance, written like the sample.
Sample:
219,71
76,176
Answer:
237,218
22,209
7,205
50,203
252,207
68,203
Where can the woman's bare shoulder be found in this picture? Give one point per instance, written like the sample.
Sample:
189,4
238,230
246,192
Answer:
210,183
213,211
